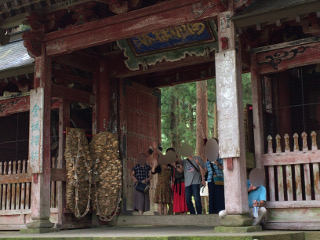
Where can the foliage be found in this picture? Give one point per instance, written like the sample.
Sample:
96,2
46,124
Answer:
179,102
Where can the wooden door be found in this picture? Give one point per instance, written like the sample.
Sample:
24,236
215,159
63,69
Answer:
139,127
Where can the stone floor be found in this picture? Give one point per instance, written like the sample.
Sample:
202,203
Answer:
152,232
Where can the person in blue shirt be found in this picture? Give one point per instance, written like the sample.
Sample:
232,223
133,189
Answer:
256,198
215,185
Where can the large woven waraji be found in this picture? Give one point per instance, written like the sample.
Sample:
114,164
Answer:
79,173
107,171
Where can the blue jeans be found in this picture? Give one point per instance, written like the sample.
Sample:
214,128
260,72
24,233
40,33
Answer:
194,190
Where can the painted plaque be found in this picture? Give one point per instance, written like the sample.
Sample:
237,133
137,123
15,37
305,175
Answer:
168,38
228,127
36,130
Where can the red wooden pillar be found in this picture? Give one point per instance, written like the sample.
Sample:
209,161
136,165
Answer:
103,98
41,172
230,117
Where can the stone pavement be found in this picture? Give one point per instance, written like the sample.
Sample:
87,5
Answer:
152,232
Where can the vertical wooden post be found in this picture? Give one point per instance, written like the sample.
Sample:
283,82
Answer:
4,188
18,187
1,186
23,185
40,190
27,199
257,112
64,122
123,145
13,195
215,115
103,98
9,187
95,89
230,117
202,118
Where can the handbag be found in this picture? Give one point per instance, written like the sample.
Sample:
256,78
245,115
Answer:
142,187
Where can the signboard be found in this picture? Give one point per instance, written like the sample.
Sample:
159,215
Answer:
228,127
168,38
36,130
169,44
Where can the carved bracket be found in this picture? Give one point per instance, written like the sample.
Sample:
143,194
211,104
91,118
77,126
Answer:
119,7
33,41
280,56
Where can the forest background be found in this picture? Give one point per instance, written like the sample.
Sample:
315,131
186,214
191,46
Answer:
179,111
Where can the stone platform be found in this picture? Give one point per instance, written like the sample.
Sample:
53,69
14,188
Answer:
152,232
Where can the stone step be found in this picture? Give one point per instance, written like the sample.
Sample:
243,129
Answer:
152,232
209,220
312,235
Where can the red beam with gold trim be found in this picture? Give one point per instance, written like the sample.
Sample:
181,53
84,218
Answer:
131,24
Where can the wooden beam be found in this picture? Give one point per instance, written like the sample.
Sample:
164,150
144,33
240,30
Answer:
267,16
72,94
58,174
66,78
14,105
287,44
286,158
159,16
77,61
290,57
15,178
182,75
14,212
119,69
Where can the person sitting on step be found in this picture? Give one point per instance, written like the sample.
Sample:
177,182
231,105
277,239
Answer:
256,198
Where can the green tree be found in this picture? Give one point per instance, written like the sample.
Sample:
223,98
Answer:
184,111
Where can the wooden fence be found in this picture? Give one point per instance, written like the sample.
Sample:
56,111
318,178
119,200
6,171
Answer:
15,188
292,175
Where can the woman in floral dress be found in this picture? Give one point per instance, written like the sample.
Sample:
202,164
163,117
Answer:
163,194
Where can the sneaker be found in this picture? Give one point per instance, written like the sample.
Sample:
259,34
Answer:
222,214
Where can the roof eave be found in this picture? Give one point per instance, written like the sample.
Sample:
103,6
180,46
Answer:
271,15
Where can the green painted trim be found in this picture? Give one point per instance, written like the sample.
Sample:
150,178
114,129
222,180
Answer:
178,53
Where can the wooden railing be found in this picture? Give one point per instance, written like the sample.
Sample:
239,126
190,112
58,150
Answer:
15,187
54,185
292,173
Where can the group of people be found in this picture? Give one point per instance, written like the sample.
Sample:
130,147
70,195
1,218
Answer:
178,182
182,179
